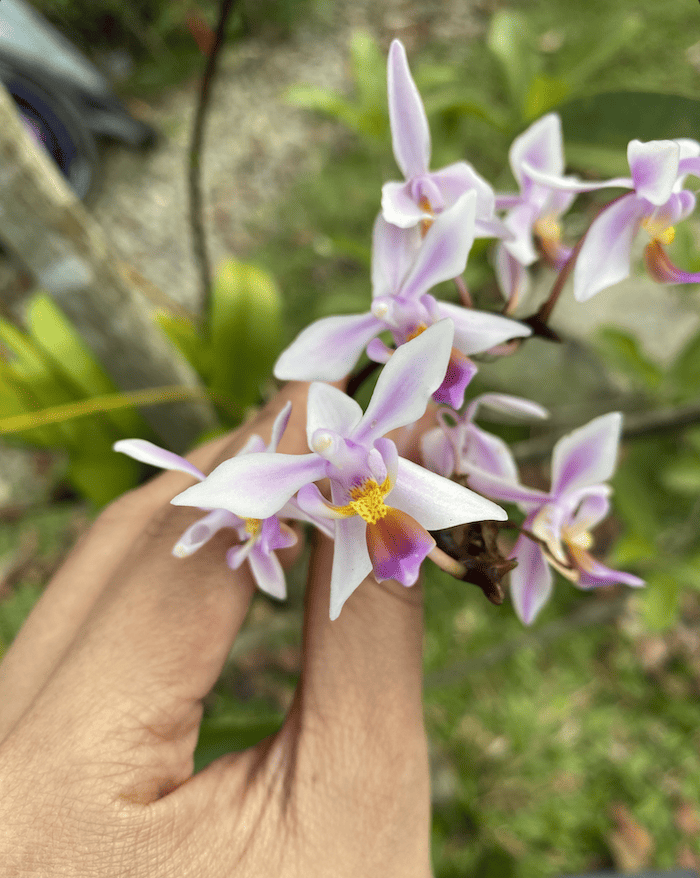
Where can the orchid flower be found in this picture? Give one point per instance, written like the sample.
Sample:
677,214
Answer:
560,520
458,444
657,203
381,505
535,210
404,268
425,193
259,538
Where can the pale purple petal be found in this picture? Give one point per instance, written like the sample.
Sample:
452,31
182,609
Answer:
328,408
351,562
530,581
268,573
574,184
378,351
399,207
254,485
253,443
292,509
540,147
520,222
457,179
460,371
503,489
202,531
147,452
279,427
489,453
410,134
512,276
275,535
605,256
654,167
437,453
390,456
436,502
477,331
598,574
505,404
405,384
443,254
393,252
589,506
236,555
327,349
586,456
312,501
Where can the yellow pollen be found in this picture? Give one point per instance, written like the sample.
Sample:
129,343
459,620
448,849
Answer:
582,539
368,500
548,229
416,332
658,233
252,526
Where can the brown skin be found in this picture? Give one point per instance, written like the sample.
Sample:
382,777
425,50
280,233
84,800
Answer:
101,699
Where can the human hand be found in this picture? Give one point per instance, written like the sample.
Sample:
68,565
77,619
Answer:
101,700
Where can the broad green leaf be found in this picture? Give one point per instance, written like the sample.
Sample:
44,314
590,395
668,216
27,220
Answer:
658,600
615,118
246,330
510,40
622,350
53,333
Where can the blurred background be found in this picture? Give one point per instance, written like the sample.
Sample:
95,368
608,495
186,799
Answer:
567,747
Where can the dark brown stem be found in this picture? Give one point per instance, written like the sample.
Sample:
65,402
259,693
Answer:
199,243
464,293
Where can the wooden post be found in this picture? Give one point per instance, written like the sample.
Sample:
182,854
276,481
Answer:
50,232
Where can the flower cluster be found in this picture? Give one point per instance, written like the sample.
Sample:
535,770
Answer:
381,509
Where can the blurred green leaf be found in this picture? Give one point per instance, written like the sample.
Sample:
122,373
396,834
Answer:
55,336
102,477
597,46
510,40
658,600
14,609
682,476
544,93
613,119
623,352
246,331
189,341
231,734
683,376
369,69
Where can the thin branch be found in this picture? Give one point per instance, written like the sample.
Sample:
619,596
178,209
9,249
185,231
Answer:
639,425
199,243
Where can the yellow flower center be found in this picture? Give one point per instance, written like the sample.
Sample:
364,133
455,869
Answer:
416,332
252,526
367,501
657,232
548,229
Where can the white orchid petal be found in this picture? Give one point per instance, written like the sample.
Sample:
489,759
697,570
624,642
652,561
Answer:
268,573
414,372
147,452
254,485
531,581
351,562
328,408
410,133
606,253
327,349
586,456
436,502
477,331
654,167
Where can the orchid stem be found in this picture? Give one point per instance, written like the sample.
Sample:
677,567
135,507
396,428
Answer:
464,293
